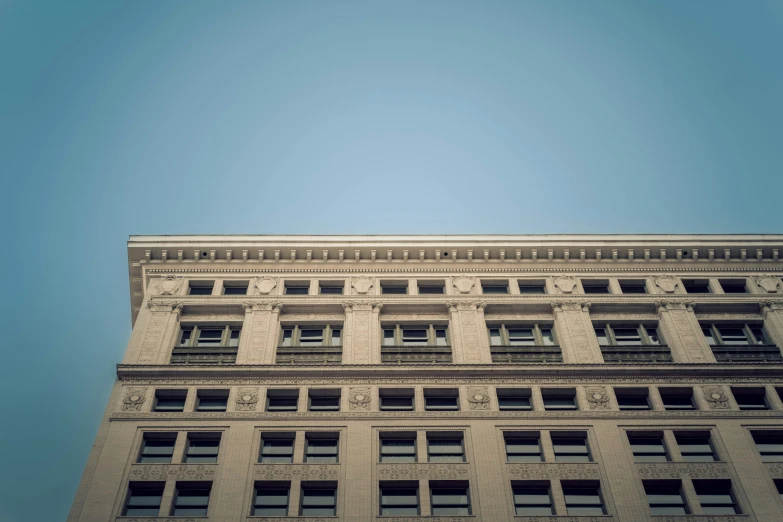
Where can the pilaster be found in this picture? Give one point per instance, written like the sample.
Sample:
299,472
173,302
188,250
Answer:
469,343
361,341
255,329
269,347
682,333
575,333
772,312
158,336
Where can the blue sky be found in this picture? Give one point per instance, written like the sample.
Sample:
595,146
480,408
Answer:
171,117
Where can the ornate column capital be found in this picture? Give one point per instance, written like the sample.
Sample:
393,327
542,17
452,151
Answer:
377,307
348,305
165,306
585,305
768,306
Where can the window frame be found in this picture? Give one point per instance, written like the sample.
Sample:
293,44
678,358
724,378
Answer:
675,392
716,483
513,438
446,437
142,486
596,283
398,485
633,283
190,486
196,328
768,438
514,393
398,436
192,284
432,338
505,338
641,329
556,439
680,436
444,486
209,393
212,436
281,485
530,486
308,486
558,393
745,391
166,393
632,393
644,439
241,284
266,437
320,436
495,283
747,329
156,436
594,487
333,394
282,393
662,485
327,335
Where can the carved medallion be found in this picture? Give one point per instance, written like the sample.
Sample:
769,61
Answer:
134,398
264,285
464,284
716,398
170,285
768,284
478,398
359,398
597,398
667,284
566,285
362,285
247,398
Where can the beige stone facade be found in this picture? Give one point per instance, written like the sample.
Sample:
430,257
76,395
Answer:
485,378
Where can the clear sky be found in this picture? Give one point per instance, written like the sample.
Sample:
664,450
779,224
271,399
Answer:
176,117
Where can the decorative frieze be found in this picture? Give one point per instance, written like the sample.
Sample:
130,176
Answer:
696,470
553,470
296,471
423,470
173,471
775,469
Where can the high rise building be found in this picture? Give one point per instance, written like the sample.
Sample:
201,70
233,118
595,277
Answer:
446,378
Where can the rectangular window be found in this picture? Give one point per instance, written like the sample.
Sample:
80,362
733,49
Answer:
321,448
592,286
514,399
517,335
191,499
531,287
270,499
396,399
398,447
559,399
627,335
648,447
523,447
399,498
779,486
202,448
277,448
206,336
571,447
696,286
325,399
143,499
318,499
157,448
445,447
716,497
234,287
170,400
770,445
282,400
494,287
297,288
331,288
734,334
633,287
733,286
665,497
211,400
201,287
583,499
449,498
394,287
415,335
431,288
677,398
695,446
630,399
750,398
306,335
532,498
438,399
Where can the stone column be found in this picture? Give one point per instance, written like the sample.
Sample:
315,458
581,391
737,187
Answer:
772,312
469,343
361,344
255,332
682,333
160,321
575,333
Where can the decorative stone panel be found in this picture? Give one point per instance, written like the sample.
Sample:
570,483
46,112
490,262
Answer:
264,285
359,398
566,285
464,284
423,470
704,518
716,397
605,518
165,519
362,285
134,398
173,471
553,470
768,284
277,519
247,398
478,398
697,470
297,471
426,519
668,285
597,398
775,469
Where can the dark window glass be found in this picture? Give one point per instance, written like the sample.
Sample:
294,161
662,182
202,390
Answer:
399,500
394,290
559,402
532,288
523,449
696,287
665,498
271,500
677,401
595,287
769,445
497,288
212,401
332,290
715,497
297,290
627,336
282,400
506,403
633,399
324,403
445,450
235,290
170,401
201,289
695,447
570,449
583,501
398,450
430,289
157,450
441,403
318,501
734,287
144,499
396,403
648,449
450,501
277,451
414,336
750,398
202,449
191,500
633,288
532,501
321,451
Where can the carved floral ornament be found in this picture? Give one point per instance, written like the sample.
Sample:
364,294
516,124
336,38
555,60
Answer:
464,284
715,397
362,285
667,284
169,284
134,398
165,306
574,307
769,284
247,398
478,398
597,398
265,285
359,398
565,284
662,306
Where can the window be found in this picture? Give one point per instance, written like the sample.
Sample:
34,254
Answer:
321,448
627,335
513,335
325,400
593,286
271,499
170,400
143,499
211,400
695,446
445,447
329,335
394,287
191,499
677,398
282,400
439,399
415,335
523,447
514,399
157,448
648,447
733,286
630,399
396,399
494,287
399,498
750,398
531,287
696,286
665,497
633,287
582,498
449,498
201,287
779,486
570,447
431,287
202,448
318,498
209,336
532,498
770,445
398,447
327,288
734,334
715,497
234,287
559,399
297,288
277,448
